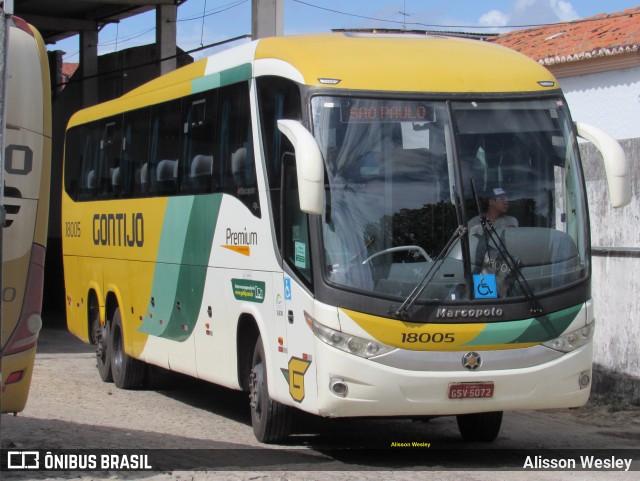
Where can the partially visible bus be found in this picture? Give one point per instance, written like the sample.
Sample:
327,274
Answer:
289,218
27,171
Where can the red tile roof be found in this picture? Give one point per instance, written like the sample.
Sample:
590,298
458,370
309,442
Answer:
598,36
68,69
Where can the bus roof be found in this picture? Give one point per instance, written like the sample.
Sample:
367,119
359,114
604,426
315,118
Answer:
354,61
406,63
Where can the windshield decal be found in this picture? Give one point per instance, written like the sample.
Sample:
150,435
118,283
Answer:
485,286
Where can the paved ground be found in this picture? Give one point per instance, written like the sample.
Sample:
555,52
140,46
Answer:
70,408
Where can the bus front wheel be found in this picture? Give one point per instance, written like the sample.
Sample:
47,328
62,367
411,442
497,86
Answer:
270,419
128,372
480,427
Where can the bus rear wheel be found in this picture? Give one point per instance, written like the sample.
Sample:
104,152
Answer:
100,337
128,373
480,427
270,419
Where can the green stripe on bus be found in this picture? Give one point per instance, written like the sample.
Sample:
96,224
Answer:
549,327
181,267
538,329
165,276
220,79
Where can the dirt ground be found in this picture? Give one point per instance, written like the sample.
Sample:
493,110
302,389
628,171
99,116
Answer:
70,408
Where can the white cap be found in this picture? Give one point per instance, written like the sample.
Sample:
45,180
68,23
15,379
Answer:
499,192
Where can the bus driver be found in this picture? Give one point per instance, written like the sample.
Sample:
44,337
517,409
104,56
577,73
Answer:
496,212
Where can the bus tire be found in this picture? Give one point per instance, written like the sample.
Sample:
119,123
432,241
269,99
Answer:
128,373
159,378
270,419
480,427
100,336
103,350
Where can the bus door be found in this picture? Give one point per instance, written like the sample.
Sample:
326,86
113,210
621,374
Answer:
297,287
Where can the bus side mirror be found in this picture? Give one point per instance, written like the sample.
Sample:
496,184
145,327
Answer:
309,165
616,164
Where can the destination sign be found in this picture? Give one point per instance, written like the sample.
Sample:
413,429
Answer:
387,112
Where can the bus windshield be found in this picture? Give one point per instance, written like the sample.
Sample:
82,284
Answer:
404,175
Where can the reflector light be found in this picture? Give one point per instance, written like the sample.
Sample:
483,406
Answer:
34,323
329,81
14,377
22,25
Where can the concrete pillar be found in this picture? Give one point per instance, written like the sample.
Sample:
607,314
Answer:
89,66
166,16
267,18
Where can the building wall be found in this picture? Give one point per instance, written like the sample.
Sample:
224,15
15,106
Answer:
611,101
608,100
615,240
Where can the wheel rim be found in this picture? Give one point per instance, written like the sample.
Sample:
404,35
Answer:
101,343
116,356
257,389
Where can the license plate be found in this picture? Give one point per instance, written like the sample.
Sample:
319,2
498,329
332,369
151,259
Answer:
470,390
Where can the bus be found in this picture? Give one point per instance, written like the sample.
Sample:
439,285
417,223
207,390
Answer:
27,171
290,218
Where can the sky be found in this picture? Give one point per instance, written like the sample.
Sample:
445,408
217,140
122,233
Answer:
205,22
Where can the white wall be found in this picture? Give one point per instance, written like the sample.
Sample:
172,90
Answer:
616,278
611,101
608,100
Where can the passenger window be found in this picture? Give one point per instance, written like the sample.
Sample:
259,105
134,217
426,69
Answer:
90,161
279,99
135,153
110,157
234,147
165,148
197,158
73,161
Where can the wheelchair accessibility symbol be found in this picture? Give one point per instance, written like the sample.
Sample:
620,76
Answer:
287,288
484,286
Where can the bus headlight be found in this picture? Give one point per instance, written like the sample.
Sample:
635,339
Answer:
572,340
345,342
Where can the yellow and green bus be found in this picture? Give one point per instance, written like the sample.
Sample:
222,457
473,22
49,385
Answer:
27,173
295,218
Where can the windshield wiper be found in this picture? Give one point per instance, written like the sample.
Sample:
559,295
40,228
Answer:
490,233
403,310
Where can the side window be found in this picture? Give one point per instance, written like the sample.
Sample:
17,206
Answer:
72,161
197,160
90,160
278,99
234,146
295,223
110,156
164,148
135,151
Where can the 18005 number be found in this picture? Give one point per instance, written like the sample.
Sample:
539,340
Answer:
72,229
428,337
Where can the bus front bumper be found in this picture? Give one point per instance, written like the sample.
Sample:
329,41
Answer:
350,386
